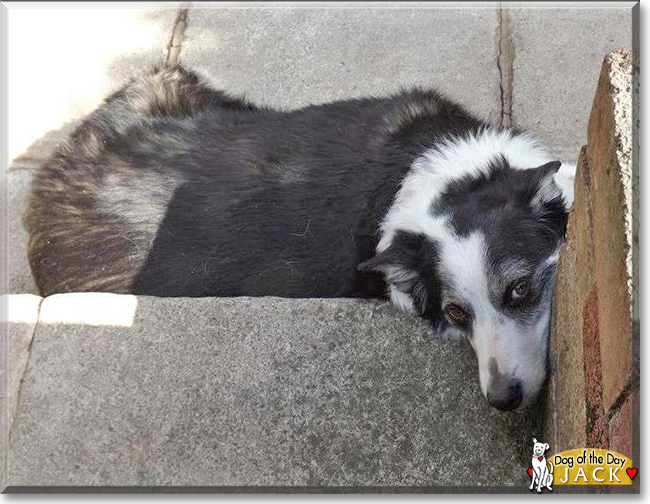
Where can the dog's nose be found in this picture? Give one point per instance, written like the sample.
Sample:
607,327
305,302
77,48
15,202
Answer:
504,394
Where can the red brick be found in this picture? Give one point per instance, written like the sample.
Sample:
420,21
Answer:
597,428
566,425
609,159
620,429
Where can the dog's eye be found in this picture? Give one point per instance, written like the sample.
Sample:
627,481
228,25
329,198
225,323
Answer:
456,315
520,290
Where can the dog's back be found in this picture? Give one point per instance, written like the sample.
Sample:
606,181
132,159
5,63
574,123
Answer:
173,188
96,204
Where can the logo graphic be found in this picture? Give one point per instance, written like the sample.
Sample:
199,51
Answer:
542,471
579,466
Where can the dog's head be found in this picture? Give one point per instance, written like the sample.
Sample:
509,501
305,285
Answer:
479,262
539,448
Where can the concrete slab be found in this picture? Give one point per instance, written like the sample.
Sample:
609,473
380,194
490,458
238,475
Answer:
22,312
18,317
20,279
256,392
557,60
290,57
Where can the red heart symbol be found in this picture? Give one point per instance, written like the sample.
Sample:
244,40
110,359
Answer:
540,458
631,472
530,472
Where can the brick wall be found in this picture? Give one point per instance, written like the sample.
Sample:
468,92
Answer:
593,388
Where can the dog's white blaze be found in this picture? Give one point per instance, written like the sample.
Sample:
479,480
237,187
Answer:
519,351
463,259
463,264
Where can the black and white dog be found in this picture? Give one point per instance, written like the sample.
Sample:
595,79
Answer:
172,188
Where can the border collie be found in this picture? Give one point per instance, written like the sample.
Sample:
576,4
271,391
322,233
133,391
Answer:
173,188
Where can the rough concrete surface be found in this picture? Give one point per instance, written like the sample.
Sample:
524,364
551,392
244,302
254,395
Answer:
254,392
291,57
22,310
557,59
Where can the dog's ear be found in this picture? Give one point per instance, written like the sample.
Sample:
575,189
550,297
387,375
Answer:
403,254
548,200
553,180
386,262
534,441
401,264
547,446
546,189
550,168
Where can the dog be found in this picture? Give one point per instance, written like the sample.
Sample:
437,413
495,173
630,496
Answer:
175,188
542,470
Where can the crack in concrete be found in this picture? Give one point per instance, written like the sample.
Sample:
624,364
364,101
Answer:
19,394
174,45
505,64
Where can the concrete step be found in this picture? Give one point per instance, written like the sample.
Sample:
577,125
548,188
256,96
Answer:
255,392
557,55
292,57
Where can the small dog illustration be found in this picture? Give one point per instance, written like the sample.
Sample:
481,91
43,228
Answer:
542,472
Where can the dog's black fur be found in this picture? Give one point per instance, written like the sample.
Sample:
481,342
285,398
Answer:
267,202
172,188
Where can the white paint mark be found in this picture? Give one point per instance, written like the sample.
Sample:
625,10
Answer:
21,308
89,308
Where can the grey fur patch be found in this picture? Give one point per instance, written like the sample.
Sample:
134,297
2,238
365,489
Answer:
291,173
137,197
93,215
410,111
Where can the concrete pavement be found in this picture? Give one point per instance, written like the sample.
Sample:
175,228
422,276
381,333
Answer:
263,392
